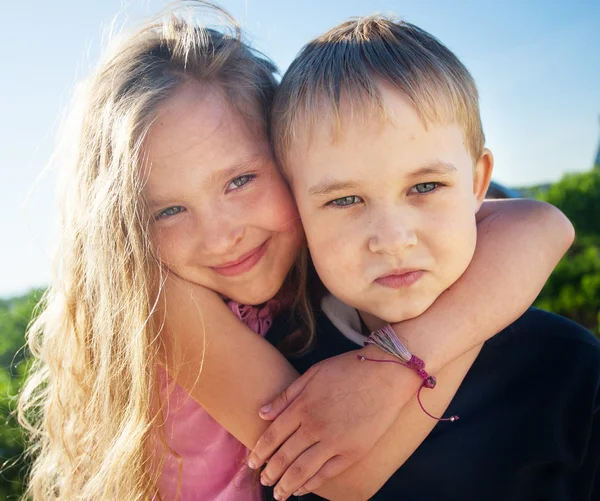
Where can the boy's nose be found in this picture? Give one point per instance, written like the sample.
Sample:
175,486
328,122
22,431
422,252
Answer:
393,237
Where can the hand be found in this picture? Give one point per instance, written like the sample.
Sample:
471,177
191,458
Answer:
329,419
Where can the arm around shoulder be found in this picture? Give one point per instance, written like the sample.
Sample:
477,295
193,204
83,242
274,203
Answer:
519,242
226,367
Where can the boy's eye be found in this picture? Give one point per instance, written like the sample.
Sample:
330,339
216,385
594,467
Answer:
425,187
240,181
170,211
346,201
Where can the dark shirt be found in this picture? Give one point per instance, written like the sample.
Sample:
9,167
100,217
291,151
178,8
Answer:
529,425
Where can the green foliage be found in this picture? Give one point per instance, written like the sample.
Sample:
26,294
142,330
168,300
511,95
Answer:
15,315
573,290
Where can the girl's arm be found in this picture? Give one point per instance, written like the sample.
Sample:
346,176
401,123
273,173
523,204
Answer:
226,367
241,371
362,480
519,243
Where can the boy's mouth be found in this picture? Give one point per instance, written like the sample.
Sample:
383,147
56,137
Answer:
397,279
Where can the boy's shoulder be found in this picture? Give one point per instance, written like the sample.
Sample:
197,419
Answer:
541,332
542,359
528,429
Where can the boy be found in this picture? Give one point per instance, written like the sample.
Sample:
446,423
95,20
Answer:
377,128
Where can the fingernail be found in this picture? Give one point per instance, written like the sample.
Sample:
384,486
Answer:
298,493
277,496
265,481
265,409
251,464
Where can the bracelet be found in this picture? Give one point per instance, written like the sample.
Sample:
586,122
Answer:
386,339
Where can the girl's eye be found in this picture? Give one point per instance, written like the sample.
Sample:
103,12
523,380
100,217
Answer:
170,211
425,187
346,201
238,182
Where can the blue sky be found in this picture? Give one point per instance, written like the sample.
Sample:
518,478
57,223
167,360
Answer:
536,62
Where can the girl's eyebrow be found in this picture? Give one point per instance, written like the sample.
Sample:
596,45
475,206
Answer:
237,169
234,170
158,201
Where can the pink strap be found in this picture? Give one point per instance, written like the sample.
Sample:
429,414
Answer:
417,365
260,318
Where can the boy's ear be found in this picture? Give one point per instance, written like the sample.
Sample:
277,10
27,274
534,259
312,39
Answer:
482,176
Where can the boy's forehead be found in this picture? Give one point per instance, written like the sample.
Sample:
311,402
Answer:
396,128
368,148
321,126
329,121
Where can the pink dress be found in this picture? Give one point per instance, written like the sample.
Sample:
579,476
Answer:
212,460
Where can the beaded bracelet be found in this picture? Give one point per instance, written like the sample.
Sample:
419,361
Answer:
386,339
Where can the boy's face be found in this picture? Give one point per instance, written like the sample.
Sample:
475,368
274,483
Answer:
389,209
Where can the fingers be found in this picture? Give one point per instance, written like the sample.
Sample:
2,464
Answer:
332,468
300,471
284,399
272,439
287,455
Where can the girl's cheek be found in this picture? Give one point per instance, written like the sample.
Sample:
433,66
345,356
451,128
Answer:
171,246
286,207
162,237
281,203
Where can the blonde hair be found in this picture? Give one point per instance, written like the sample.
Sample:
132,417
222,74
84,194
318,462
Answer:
87,405
344,67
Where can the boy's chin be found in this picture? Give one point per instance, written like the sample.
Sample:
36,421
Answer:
394,313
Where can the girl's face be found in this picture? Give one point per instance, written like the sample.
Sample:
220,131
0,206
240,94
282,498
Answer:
222,215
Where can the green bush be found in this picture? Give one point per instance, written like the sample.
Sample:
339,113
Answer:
15,315
573,290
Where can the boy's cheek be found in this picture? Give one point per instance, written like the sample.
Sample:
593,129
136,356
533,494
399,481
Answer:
337,263
330,246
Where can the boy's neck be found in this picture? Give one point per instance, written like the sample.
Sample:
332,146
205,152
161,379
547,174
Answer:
371,322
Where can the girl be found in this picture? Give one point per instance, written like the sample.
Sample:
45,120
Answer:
171,191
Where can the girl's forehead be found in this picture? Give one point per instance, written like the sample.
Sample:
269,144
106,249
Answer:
201,125
197,141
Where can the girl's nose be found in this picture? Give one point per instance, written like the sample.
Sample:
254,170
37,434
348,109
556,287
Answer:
219,236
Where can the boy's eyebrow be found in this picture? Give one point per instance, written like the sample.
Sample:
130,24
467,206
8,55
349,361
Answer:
435,168
329,185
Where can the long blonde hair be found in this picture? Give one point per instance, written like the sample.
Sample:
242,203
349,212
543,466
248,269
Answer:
87,405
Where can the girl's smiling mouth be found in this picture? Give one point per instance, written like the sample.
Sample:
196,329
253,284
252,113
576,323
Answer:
244,263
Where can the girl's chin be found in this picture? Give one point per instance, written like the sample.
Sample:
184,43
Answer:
254,297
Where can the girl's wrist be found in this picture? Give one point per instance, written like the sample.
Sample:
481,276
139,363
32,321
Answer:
421,336
388,342
394,375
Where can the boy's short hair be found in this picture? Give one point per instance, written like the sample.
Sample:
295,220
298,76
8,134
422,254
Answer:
343,68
